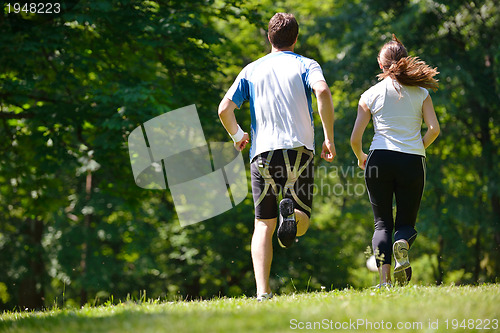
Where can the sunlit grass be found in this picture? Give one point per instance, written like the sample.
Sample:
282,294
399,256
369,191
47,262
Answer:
417,308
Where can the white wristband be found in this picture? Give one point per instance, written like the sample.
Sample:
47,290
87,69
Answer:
238,135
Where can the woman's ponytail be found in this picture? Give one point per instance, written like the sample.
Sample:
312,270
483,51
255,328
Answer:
409,71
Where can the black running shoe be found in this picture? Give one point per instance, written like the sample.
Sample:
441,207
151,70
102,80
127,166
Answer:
287,229
402,269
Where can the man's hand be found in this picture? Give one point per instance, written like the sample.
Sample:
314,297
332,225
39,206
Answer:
240,145
328,152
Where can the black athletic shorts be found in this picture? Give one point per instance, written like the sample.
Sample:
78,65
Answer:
286,171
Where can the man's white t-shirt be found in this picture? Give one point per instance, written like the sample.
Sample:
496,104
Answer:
279,87
397,120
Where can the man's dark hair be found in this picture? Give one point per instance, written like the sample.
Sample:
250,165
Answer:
283,30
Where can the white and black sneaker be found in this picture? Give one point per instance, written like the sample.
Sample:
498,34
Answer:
264,297
402,269
287,229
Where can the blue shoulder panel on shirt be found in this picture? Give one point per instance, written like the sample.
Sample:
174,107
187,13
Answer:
242,93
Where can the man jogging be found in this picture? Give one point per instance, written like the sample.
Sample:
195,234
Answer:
278,87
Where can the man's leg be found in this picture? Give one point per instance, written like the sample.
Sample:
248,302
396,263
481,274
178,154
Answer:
262,253
302,222
304,189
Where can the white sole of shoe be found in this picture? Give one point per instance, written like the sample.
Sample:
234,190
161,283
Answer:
402,269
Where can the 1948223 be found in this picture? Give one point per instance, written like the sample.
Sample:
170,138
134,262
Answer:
34,8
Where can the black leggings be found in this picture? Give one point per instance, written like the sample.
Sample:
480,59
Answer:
388,174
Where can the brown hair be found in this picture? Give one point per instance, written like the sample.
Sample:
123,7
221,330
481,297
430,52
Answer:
409,71
283,30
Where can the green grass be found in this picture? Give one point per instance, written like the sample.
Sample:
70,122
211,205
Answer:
411,305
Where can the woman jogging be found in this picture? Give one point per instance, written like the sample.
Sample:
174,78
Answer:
395,165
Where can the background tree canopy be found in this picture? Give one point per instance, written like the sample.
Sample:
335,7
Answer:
74,227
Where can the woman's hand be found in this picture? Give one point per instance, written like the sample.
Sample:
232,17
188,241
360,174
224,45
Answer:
362,160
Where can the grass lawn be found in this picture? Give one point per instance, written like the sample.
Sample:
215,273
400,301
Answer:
400,309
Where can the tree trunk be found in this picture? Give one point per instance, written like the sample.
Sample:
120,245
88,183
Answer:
440,273
495,255
85,250
31,293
